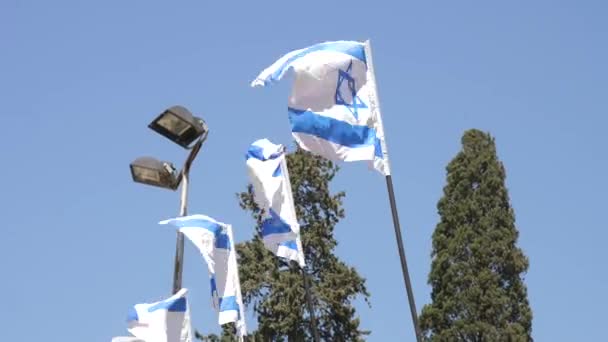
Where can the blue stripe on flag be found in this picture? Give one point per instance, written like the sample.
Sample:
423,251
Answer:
277,172
336,131
228,303
378,148
255,152
354,49
222,241
213,286
290,244
132,315
174,305
198,223
274,225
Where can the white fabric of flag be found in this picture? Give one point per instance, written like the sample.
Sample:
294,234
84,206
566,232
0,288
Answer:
330,106
126,339
163,321
215,242
269,176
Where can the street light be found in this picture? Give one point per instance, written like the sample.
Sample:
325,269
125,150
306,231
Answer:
179,125
151,171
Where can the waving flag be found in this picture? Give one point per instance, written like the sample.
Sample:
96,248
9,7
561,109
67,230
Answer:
272,192
330,106
215,242
162,321
334,112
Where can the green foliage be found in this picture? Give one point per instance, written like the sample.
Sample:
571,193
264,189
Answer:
274,289
478,293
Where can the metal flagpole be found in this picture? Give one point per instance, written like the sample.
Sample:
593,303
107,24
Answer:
305,275
241,319
311,308
375,107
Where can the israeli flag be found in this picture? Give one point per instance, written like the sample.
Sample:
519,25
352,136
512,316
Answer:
215,242
163,321
272,192
332,107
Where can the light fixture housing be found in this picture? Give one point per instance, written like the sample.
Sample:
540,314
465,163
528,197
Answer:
151,171
179,125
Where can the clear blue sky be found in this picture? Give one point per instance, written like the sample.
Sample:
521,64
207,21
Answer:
79,82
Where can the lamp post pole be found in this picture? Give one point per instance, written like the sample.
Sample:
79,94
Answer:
183,211
179,246
180,126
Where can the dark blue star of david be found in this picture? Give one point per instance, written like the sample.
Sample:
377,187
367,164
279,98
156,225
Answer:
355,102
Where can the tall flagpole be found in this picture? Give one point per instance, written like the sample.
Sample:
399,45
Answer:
375,107
240,324
311,307
305,275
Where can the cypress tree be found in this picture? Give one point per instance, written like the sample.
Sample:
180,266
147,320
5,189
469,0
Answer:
478,291
274,289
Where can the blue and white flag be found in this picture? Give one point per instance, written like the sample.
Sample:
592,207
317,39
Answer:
163,321
215,242
272,192
333,104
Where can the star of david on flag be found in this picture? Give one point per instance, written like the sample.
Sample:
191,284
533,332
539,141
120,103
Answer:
346,91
